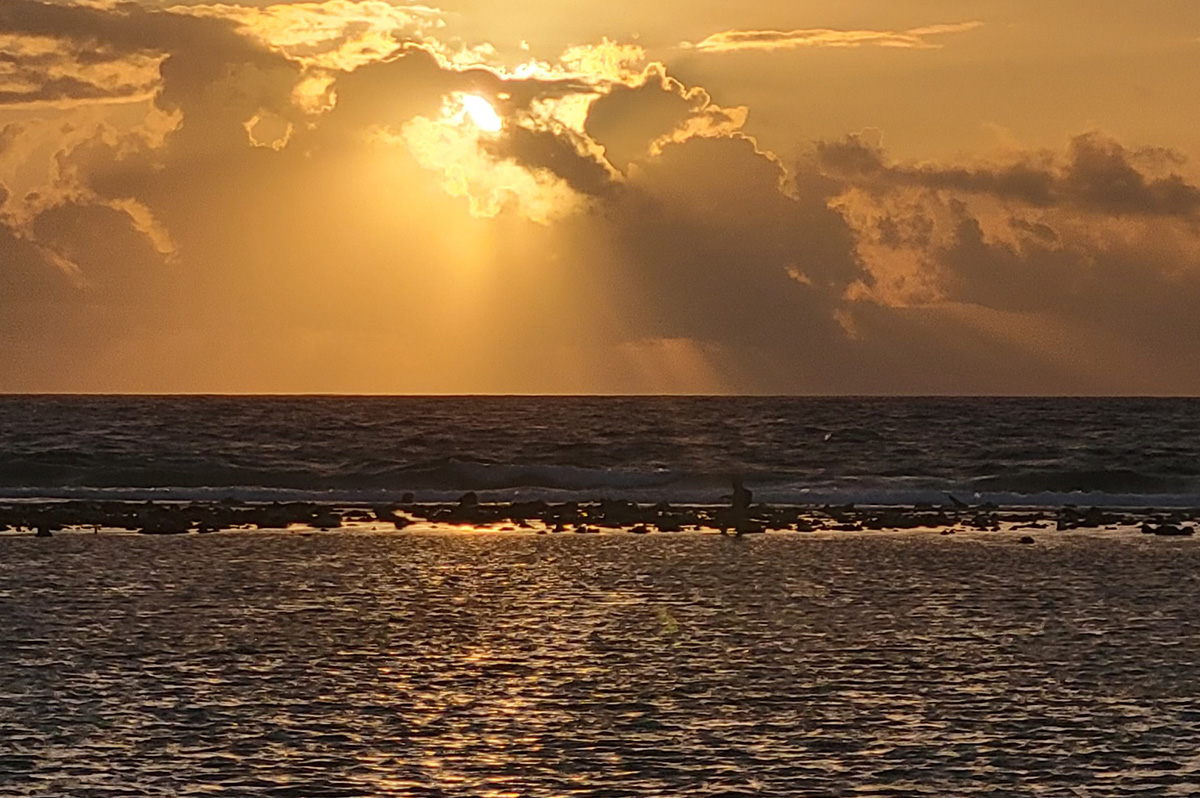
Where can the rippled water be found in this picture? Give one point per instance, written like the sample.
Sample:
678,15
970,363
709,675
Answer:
1117,452
496,665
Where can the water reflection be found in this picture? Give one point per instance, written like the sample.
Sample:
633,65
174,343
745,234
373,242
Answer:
584,666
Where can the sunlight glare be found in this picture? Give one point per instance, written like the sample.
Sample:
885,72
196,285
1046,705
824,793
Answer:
481,112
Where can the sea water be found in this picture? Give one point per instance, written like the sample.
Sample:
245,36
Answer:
486,663
1126,452
490,664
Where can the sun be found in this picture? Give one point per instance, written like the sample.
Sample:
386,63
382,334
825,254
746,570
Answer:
481,113
461,144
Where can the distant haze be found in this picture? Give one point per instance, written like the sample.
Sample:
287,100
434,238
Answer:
826,197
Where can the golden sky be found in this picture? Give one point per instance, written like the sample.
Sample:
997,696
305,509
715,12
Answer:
559,196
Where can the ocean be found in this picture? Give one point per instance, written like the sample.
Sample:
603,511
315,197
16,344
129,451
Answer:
555,666
886,451
1002,629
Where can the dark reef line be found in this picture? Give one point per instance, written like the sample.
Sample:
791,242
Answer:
173,518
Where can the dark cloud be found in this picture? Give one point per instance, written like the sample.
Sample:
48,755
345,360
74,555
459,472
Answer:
1113,286
1083,301
628,119
27,277
715,248
125,40
61,88
123,29
391,91
1097,175
116,262
1101,176
558,151
1043,233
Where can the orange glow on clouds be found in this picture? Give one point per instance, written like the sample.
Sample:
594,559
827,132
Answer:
382,196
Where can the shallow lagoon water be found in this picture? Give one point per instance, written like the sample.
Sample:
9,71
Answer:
493,664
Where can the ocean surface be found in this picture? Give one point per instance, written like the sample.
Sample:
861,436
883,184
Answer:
1047,452
491,664
435,663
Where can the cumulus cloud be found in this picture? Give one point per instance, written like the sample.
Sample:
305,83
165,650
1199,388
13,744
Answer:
634,119
1081,262
768,40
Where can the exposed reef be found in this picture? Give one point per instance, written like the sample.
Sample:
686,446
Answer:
44,518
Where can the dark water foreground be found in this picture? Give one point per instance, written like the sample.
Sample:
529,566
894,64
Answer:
566,665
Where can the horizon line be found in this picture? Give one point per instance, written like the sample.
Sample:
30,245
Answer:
384,395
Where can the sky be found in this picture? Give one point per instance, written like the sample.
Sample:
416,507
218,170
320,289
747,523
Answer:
570,196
